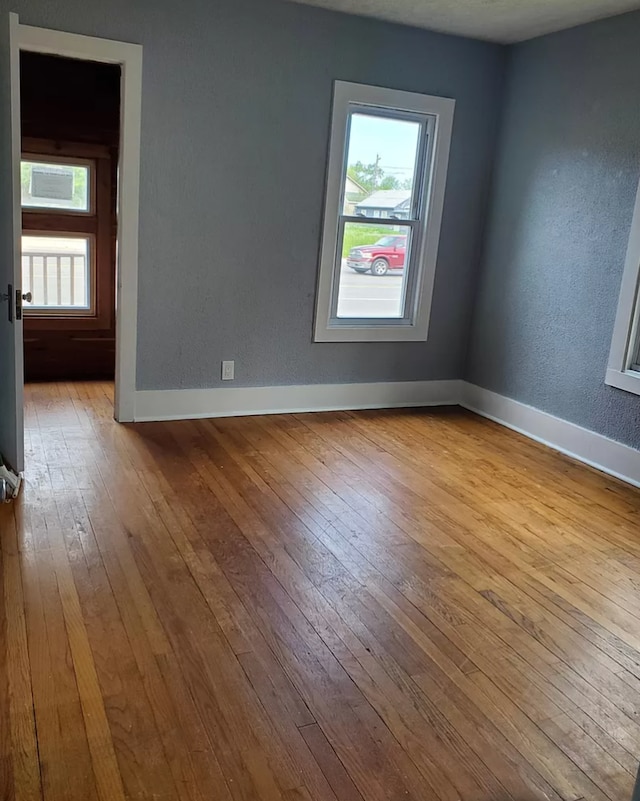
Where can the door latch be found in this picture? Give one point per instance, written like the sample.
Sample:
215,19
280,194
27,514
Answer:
8,296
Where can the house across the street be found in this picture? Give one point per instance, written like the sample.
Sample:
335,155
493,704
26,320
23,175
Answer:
353,193
389,203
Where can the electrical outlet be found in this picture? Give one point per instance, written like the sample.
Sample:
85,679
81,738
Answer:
228,371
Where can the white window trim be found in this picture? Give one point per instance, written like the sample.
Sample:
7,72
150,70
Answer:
626,329
441,109
88,163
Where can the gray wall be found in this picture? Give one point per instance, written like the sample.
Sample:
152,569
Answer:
565,182
235,123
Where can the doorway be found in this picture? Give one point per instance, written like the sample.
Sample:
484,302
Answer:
70,123
129,58
15,39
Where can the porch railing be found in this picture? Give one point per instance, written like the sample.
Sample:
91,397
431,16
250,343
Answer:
55,279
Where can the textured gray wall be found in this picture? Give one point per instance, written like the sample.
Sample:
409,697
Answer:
564,188
234,141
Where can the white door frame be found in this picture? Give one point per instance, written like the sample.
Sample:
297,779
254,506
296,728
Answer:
129,58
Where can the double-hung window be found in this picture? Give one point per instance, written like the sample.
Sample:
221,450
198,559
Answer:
59,221
386,178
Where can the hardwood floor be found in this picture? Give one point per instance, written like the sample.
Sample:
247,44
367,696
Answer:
370,606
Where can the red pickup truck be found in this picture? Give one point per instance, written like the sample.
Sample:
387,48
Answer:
388,253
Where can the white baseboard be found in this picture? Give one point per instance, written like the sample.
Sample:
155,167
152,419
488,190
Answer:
580,443
185,404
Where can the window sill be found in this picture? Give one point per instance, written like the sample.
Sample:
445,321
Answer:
386,333
628,380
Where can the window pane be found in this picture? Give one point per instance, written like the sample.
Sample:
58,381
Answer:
55,186
372,270
381,167
56,272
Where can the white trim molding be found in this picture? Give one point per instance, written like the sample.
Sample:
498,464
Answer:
624,343
628,380
185,404
129,58
573,440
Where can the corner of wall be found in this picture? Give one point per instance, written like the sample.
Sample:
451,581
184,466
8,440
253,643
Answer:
492,167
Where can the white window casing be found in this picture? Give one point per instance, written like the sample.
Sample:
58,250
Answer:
623,369
435,116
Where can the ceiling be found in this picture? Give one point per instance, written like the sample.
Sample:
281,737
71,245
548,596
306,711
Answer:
503,21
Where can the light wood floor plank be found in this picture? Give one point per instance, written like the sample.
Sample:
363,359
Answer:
21,754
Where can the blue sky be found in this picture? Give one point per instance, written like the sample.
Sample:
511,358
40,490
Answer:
395,141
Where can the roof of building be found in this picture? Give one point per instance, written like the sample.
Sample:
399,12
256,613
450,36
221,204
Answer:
356,186
386,199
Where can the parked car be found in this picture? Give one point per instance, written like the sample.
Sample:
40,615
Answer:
388,253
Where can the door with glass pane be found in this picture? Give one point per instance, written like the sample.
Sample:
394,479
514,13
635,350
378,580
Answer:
68,240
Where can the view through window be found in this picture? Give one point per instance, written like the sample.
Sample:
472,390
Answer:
55,270
379,181
59,226
55,185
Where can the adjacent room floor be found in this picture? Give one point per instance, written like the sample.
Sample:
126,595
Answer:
368,606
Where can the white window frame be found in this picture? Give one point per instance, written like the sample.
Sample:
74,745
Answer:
623,370
414,327
89,164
